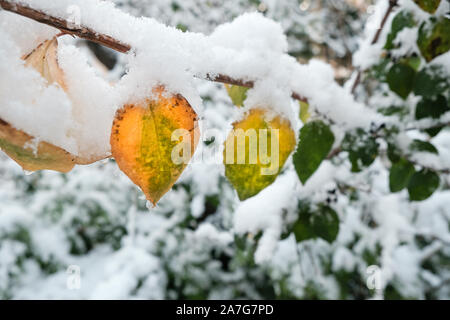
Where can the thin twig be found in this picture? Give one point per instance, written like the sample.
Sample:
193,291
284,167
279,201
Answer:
433,236
392,5
334,153
438,125
431,250
440,285
106,40
65,26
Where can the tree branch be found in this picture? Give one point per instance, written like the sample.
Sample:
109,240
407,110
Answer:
392,5
65,26
333,153
437,125
106,40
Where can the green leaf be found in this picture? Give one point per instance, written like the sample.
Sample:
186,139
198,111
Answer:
422,185
316,140
237,94
182,27
380,70
393,152
413,62
422,146
432,108
320,223
326,224
430,82
402,20
400,111
304,111
362,148
400,174
429,6
434,37
400,79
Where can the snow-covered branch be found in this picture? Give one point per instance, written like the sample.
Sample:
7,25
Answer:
88,33
65,26
392,5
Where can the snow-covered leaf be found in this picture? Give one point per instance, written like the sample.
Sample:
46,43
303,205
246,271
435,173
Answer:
402,20
434,37
422,185
400,79
422,146
362,148
44,59
431,81
432,108
237,94
30,153
429,6
320,223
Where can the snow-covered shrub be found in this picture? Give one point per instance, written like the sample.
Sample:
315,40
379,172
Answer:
359,211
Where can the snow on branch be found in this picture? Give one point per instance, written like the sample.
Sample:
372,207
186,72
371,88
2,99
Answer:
64,25
251,51
105,40
376,37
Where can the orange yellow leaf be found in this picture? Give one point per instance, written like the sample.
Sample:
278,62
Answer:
153,141
256,150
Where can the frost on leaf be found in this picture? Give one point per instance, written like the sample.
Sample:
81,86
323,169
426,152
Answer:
153,141
18,145
256,150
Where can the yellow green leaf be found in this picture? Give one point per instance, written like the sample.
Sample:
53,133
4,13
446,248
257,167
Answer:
429,6
434,37
153,141
19,146
256,150
304,111
237,94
